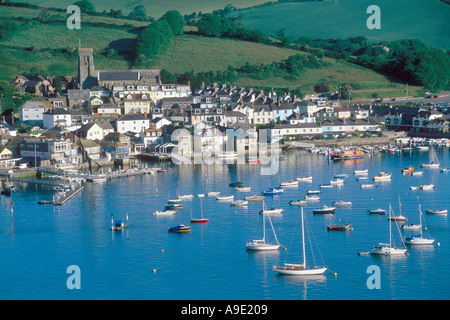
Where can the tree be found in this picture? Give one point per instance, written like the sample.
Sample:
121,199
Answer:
85,6
153,39
322,87
7,27
138,11
211,25
175,20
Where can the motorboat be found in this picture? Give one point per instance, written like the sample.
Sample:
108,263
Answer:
213,194
185,196
382,177
378,211
180,229
243,189
255,198
347,155
289,184
273,191
298,202
239,203
417,173
225,198
337,181
361,172
426,187
324,186
339,227
312,191
409,170
324,210
442,211
307,179
341,176
367,186
342,203
164,213
312,198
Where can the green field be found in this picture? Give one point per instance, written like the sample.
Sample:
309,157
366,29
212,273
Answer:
37,48
426,20
154,8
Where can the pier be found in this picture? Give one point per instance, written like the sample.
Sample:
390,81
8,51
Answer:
64,196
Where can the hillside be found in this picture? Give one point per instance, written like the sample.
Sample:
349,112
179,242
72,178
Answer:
426,20
50,49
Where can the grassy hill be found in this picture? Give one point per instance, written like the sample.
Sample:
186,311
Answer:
426,20
154,8
51,49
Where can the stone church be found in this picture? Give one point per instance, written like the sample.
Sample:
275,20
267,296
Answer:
88,77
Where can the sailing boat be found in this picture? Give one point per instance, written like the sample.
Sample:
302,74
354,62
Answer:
238,183
434,164
300,269
266,211
399,217
200,220
261,244
388,249
419,239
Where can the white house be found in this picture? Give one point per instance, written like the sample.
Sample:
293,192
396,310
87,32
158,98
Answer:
133,122
291,131
56,116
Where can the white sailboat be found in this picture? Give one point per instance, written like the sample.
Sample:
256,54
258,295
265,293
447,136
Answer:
300,269
434,163
261,244
418,239
388,249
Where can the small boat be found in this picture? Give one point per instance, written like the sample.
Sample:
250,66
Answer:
417,173
312,191
300,269
407,149
307,179
409,170
378,211
361,172
442,211
342,203
324,186
414,187
225,198
298,202
339,227
411,227
363,253
324,210
175,201
274,211
382,177
289,184
362,178
367,186
252,160
236,184
273,191
445,169
180,229
171,206
426,187
348,155
213,194
239,203
423,148
430,165
185,197
45,202
199,220
312,198
164,213
255,198
7,191
337,181
397,218
341,176
97,179
243,189
200,195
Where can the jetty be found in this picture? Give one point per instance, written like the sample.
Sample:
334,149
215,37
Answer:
63,196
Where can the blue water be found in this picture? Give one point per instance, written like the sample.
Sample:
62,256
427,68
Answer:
38,243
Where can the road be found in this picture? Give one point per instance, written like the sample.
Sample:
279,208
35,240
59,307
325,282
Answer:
444,97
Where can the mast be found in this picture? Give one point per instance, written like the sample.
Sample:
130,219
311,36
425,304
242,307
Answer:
264,228
390,227
303,240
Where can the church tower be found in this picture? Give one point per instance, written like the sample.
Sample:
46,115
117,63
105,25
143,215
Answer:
86,69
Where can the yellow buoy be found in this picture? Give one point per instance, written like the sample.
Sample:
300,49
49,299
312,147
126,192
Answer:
335,274
154,270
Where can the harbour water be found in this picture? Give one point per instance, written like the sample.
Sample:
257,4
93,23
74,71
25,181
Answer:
145,261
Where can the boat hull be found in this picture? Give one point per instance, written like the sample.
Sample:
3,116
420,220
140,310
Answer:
255,246
418,241
295,271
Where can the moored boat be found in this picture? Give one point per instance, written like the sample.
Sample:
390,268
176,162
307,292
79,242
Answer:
180,229
324,210
239,203
297,202
442,211
225,198
339,227
361,172
342,203
255,198
382,177
312,198
164,213
378,211
289,184
409,170
237,184
243,189
347,155
306,179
